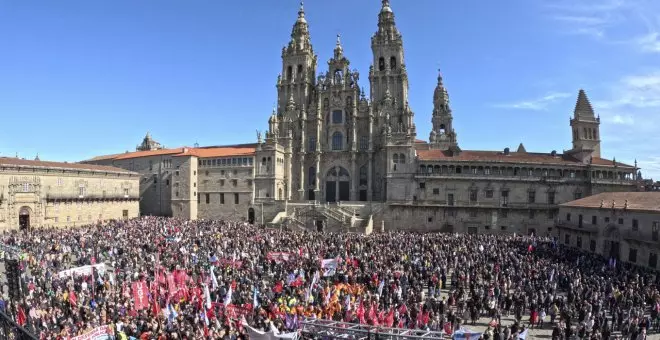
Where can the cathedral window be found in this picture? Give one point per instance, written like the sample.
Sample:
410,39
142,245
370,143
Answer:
300,71
381,64
337,141
402,158
584,130
364,143
363,175
339,76
395,158
26,187
393,63
311,176
289,73
337,117
312,144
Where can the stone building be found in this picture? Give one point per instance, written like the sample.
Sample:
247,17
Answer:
37,194
619,225
340,157
201,182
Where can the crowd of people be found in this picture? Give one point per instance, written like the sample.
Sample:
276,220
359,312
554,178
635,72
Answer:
164,278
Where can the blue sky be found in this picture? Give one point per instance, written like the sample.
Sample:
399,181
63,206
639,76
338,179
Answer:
80,78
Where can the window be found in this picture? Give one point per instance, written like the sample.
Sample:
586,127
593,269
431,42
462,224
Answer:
422,185
607,220
551,197
473,195
312,144
504,200
393,63
436,191
489,193
337,117
653,260
450,199
363,175
429,219
364,143
473,213
235,198
580,220
26,187
176,194
568,217
222,182
81,191
474,171
577,195
551,214
155,180
234,182
579,241
532,214
592,245
635,225
337,141
68,218
654,230
567,239
311,176
167,182
199,199
381,64
176,173
249,182
222,198
208,198
594,220
531,197
621,221
632,255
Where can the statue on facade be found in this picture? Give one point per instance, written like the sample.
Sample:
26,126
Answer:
258,136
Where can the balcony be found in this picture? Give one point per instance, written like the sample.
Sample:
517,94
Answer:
501,177
587,228
90,198
491,204
639,236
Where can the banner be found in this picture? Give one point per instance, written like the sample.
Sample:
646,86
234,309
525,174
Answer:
230,262
84,270
279,257
98,333
329,266
140,298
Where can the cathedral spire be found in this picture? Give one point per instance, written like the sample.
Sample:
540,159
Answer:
440,96
583,108
300,40
339,50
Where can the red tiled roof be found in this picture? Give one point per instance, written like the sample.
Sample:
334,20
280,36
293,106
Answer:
512,157
24,163
639,201
220,151
149,153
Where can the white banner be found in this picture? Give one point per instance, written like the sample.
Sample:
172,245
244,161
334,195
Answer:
85,270
329,266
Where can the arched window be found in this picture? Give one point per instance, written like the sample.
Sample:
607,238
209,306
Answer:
363,175
591,134
337,141
381,64
300,71
312,144
279,193
337,117
422,169
393,63
395,158
289,73
442,129
311,176
339,76
584,130
402,159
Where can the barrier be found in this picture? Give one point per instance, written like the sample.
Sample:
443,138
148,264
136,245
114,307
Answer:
328,329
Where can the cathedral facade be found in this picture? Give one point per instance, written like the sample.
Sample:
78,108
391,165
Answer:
336,157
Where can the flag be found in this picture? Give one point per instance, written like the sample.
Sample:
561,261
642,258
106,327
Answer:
347,302
329,267
380,287
140,298
523,335
360,313
448,328
311,286
21,318
228,296
255,302
171,314
73,299
207,297
214,280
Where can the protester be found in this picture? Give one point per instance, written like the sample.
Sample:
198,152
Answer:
164,278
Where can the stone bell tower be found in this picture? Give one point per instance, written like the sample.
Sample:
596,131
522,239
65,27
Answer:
586,130
442,136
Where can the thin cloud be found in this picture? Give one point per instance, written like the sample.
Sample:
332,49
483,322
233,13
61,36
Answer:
635,91
538,104
622,120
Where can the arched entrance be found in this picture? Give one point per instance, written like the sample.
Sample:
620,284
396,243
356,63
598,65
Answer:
337,185
24,218
251,215
612,242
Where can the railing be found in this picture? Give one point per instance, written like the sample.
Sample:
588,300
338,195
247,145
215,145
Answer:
480,204
9,329
535,178
328,329
576,226
64,197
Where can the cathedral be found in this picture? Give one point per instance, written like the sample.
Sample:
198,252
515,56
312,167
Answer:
338,158
329,140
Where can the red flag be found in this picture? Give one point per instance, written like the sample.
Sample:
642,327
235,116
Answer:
403,309
389,319
21,318
448,328
73,299
360,313
372,315
140,298
171,285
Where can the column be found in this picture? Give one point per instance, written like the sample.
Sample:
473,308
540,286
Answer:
371,154
337,184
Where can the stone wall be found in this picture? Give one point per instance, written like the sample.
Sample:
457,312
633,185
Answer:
59,198
225,193
184,187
